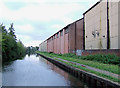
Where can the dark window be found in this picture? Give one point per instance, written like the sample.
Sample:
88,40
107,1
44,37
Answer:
61,33
58,35
66,30
54,37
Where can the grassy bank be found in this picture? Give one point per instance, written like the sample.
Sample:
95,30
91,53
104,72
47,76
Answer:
91,71
107,67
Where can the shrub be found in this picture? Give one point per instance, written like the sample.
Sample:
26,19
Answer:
103,58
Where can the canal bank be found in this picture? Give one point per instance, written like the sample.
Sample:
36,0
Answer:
90,78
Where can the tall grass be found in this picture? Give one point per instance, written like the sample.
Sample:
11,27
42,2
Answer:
102,58
90,60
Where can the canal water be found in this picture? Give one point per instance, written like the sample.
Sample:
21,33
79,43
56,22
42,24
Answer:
34,70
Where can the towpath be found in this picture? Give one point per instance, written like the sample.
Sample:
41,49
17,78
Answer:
91,68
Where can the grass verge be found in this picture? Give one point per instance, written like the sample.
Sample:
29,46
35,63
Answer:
82,68
91,71
106,67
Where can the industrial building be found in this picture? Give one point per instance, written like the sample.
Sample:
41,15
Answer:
67,40
101,26
43,46
97,32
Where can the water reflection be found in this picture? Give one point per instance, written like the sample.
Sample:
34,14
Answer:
72,80
36,71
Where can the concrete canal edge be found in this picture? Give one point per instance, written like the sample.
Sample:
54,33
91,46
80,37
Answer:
89,78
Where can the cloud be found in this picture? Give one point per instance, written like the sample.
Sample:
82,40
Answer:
26,28
51,1
40,12
33,43
23,37
36,20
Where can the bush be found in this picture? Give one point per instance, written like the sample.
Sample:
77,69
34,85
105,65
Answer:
103,58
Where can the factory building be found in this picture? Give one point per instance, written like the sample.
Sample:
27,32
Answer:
97,32
67,40
43,46
101,26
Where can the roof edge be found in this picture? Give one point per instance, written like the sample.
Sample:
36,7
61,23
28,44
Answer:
92,7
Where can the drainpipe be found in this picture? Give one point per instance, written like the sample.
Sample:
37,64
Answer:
75,37
108,31
83,33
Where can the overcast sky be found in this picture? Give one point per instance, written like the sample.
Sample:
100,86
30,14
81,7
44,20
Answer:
36,20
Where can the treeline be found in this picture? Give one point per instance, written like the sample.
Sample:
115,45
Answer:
31,50
12,49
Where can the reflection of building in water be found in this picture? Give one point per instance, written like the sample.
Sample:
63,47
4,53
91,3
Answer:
58,70
73,81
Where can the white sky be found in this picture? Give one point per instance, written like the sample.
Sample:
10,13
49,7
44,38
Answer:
36,20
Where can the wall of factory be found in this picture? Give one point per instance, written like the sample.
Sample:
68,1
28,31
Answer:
72,38
62,41
43,46
51,42
97,21
54,44
113,24
96,27
67,40
48,45
102,51
119,25
79,37
58,43
66,47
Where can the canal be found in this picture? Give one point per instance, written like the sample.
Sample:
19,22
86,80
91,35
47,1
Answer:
34,70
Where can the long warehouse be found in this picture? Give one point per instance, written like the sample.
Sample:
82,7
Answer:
97,32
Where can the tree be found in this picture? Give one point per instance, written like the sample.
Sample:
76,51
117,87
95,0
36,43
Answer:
11,49
12,31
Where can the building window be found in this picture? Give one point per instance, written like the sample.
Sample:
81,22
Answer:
66,30
61,33
54,36
58,35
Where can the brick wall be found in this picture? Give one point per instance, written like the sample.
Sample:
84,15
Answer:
93,52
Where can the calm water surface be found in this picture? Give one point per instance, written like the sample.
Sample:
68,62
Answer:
36,71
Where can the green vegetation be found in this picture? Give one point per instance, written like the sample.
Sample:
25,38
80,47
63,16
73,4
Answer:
71,57
11,48
102,58
31,50
91,71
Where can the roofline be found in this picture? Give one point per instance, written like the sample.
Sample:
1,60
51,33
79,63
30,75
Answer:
79,20
63,28
92,7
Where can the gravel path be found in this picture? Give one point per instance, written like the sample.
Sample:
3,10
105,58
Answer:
92,68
